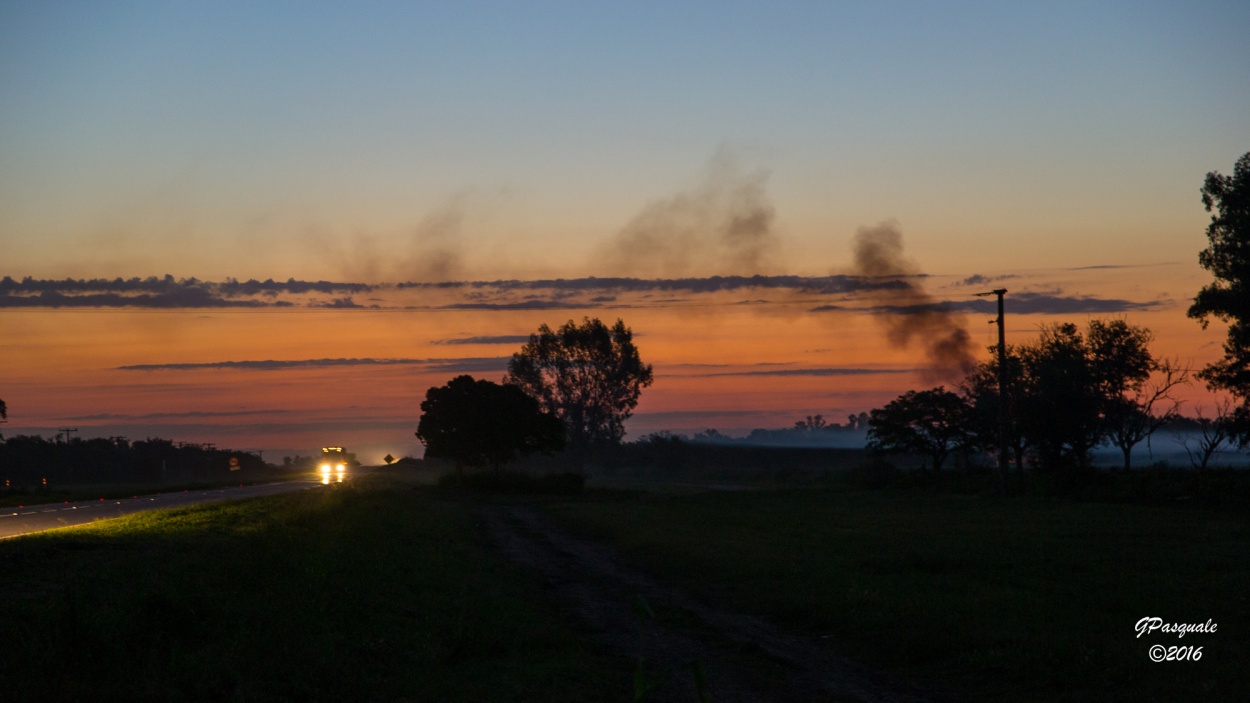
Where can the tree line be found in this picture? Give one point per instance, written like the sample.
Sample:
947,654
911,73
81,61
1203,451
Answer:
1072,390
1068,392
570,389
33,461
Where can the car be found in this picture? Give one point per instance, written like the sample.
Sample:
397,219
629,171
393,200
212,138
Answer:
333,465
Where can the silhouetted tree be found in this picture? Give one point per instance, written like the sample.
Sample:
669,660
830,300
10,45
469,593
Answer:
932,422
1227,257
1133,407
1136,414
980,388
1058,399
476,423
709,435
588,375
29,459
4,410
857,422
811,424
1068,392
1212,434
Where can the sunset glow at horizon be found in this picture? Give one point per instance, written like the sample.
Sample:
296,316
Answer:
464,174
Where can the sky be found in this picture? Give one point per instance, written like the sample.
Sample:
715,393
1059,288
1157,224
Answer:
705,171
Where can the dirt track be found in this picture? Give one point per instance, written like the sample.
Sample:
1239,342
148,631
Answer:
744,658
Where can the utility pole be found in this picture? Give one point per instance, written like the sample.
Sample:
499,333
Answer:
67,430
1004,419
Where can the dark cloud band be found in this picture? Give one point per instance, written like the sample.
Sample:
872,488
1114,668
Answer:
465,364
1016,304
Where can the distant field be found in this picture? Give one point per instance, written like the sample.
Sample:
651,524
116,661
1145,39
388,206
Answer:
1018,600
373,592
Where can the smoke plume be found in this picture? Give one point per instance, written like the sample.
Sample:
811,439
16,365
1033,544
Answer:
722,226
947,344
432,250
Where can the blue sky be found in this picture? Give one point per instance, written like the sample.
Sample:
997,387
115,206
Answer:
153,130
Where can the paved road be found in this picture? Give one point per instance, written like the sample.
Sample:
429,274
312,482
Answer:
38,518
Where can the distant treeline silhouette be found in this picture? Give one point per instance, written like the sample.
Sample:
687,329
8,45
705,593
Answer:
812,431
27,460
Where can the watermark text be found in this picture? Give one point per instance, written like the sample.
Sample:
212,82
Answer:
1149,625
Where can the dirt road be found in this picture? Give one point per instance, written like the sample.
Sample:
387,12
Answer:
742,658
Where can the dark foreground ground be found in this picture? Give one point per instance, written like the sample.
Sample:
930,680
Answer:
382,590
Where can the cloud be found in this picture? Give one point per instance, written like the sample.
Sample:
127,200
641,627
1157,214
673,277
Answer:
164,293
187,298
835,284
198,414
232,287
977,279
271,364
1014,304
1120,266
481,364
345,303
886,295
464,364
540,294
497,339
820,372
1039,303
522,305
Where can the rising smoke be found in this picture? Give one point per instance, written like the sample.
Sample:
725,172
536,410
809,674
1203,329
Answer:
947,344
722,226
432,250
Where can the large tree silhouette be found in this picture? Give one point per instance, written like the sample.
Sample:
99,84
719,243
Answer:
478,423
980,388
588,375
1069,391
932,422
1227,257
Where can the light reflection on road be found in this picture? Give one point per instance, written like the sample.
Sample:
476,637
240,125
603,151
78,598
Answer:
27,519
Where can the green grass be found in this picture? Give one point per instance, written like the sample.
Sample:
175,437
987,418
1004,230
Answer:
109,491
372,592
987,599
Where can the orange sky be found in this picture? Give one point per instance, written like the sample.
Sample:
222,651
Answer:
730,360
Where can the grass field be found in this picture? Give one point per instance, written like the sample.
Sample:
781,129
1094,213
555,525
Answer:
986,599
388,591
374,592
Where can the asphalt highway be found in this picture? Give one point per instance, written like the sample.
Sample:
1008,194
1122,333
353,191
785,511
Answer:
24,520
